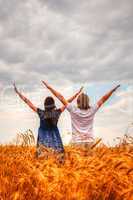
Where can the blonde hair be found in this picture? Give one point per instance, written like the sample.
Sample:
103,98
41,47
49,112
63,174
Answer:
83,101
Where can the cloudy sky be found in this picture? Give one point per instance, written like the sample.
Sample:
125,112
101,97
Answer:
68,43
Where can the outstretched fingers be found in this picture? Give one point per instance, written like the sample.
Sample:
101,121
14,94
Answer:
117,87
81,89
15,88
45,83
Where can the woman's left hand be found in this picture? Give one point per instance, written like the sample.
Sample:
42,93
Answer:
15,88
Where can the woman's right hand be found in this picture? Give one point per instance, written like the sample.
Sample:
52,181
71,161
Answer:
15,88
81,89
116,87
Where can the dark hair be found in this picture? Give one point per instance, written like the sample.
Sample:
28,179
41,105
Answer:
83,101
49,104
49,107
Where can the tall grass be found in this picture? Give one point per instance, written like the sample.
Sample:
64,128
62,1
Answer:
99,173
25,139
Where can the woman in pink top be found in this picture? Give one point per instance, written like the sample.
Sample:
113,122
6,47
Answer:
82,115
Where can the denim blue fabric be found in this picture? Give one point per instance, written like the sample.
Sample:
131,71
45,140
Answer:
49,136
50,139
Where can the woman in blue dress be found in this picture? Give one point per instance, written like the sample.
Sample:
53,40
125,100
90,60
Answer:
48,132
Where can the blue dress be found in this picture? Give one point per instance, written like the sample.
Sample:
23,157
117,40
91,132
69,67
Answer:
48,133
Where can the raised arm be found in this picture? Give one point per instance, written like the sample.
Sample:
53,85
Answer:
72,98
57,94
106,96
27,101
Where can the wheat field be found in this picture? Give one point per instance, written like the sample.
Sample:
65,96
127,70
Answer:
99,173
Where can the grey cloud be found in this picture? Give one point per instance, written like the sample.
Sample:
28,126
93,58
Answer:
7,8
62,6
12,51
5,77
66,40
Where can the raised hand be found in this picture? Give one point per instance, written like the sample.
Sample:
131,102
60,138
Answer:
25,99
106,96
45,83
81,89
117,87
15,88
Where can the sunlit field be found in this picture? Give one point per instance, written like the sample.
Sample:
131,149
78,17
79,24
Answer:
99,173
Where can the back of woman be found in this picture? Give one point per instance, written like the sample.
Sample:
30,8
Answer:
48,119
82,117
48,133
